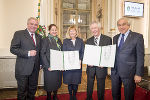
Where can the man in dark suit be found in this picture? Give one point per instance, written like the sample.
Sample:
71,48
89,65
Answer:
100,72
129,63
26,46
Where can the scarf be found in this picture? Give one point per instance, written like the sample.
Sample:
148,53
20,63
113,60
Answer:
56,39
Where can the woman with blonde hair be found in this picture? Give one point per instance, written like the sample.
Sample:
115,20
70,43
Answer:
73,77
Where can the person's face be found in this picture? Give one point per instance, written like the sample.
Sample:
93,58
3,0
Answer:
32,25
95,30
123,26
72,33
53,31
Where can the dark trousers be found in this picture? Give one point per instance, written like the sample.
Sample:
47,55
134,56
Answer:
100,85
129,87
49,95
72,88
27,85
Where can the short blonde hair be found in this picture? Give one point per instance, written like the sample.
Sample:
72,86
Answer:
70,28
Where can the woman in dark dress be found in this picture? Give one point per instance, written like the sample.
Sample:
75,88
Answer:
52,79
73,77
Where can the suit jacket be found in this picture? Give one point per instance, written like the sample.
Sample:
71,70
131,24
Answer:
104,40
20,45
79,45
130,58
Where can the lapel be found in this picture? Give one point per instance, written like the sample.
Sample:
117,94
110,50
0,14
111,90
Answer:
92,41
128,40
115,41
71,43
76,42
37,39
101,42
27,35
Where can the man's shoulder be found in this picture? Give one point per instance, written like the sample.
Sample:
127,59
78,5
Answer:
20,32
90,38
116,36
135,33
105,36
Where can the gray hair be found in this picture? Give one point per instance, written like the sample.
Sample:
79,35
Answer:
123,18
96,22
32,18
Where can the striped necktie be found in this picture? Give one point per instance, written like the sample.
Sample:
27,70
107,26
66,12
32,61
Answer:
95,41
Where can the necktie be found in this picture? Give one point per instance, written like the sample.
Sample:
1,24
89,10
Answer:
121,41
95,41
32,38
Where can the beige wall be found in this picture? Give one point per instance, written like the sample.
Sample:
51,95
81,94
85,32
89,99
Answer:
140,25
14,14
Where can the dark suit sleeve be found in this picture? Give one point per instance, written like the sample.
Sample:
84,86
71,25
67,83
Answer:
140,56
64,48
81,50
110,41
44,53
15,47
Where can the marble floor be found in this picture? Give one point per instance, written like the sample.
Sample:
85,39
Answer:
11,93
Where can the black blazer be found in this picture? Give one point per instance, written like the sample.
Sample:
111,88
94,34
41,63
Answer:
45,51
79,45
104,40
130,59
20,45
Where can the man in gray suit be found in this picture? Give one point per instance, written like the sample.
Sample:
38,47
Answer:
26,46
99,72
129,63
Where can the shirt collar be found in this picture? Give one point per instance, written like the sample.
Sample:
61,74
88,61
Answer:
98,37
30,32
125,34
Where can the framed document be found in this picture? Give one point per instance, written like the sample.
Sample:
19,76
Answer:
64,60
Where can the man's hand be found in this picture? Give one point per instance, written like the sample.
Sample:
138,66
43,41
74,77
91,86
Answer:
137,79
32,52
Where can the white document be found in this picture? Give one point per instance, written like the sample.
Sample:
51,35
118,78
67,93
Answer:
92,55
71,60
103,56
108,56
64,60
56,60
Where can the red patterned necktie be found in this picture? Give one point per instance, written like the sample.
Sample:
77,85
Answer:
32,38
